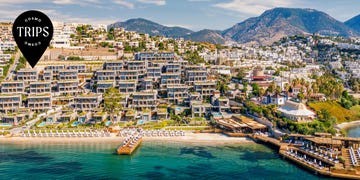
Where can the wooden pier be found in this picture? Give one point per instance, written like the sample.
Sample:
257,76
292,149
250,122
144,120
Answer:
129,145
335,170
267,139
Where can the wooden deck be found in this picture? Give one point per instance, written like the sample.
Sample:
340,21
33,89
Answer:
128,148
341,173
267,139
324,171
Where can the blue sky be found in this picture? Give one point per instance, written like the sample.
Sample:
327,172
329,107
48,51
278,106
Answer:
192,14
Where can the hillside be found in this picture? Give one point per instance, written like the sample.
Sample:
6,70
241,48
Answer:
207,35
265,29
336,110
279,22
354,23
154,29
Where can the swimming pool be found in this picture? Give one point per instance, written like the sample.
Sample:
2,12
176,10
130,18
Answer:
140,122
42,124
5,125
216,114
76,123
108,123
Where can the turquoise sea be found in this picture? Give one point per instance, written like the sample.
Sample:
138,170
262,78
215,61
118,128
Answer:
354,132
152,160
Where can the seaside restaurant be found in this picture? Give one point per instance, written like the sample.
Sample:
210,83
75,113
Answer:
349,141
325,142
320,140
240,124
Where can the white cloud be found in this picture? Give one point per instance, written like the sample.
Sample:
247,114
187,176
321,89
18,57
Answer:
4,2
78,2
84,20
124,4
64,2
7,15
131,5
63,17
60,2
199,0
156,2
179,25
10,15
11,3
253,7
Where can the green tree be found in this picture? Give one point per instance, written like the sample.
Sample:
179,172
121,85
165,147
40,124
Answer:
324,114
161,46
287,87
241,74
301,94
112,101
271,87
245,89
261,92
176,118
256,89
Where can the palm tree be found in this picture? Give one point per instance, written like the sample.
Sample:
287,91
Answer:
302,81
287,87
339,88
271,87
309,92
307,86
278,89
245,89
315,87
295,82
261,92
356,88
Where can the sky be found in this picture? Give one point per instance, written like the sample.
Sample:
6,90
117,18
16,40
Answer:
191,14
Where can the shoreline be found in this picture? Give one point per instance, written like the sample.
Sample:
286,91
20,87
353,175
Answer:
347,125
189,138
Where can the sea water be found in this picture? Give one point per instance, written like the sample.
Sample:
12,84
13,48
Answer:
152,160
354,132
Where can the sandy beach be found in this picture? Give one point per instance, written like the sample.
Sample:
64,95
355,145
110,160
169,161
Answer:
347,125
206,138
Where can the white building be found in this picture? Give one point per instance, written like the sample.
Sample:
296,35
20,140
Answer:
296,111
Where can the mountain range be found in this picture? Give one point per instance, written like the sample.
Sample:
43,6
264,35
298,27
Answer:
265,29
354,23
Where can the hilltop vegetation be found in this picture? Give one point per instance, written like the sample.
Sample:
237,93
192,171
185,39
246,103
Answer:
335,109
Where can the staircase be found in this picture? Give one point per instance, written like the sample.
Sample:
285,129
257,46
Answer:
346,155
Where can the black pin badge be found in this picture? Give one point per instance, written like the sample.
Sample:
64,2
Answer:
32,31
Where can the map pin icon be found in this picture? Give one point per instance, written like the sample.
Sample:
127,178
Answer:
32,31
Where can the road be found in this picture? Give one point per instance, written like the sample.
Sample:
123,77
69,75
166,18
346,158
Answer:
13,66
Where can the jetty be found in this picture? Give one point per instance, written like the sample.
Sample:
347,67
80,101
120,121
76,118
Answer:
129,145
325,155
321,153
